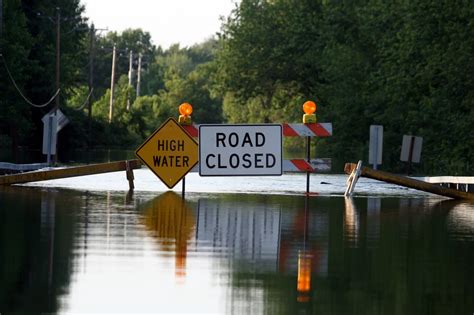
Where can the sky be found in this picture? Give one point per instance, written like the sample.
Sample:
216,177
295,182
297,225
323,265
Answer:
186,22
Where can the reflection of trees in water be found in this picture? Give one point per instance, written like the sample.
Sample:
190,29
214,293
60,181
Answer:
172,223
388,255
36,237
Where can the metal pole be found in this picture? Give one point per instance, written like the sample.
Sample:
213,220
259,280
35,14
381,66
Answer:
183,187
130,74
112,85
58,69
139,73
410,154
308,159
50,136
1,24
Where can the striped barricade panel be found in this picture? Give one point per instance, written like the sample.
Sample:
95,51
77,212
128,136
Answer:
289,130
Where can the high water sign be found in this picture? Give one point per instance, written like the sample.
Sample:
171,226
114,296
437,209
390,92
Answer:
170,152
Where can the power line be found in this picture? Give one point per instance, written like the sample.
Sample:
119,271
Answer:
85,102
19,91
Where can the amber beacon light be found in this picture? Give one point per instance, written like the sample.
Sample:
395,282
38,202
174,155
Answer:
185,111
309,108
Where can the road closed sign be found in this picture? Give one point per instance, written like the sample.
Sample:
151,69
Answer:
240,150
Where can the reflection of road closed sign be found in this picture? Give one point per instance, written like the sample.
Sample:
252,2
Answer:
244,150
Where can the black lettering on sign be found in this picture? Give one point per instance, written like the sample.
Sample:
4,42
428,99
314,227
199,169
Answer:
259,139
185,161
270,160
247,161
219,162
259,160
233,139
207,161
247,140
171,161
170,145
234,160
220,137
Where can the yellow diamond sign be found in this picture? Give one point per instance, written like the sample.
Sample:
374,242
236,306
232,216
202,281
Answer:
170,152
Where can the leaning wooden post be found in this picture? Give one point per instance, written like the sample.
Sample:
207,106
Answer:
409,182
68,172
352,180
130,177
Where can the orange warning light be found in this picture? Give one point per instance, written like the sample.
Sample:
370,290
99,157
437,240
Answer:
185,109
309,107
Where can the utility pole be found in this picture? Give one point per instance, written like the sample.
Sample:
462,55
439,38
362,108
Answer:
58,71
112,84
130,75
1,24
58,56
91,83
139,74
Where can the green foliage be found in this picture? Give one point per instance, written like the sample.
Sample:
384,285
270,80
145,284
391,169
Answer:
406,65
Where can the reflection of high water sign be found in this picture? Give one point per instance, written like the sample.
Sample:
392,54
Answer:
246,150
170,152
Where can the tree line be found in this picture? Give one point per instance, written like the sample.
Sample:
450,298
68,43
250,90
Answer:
406,65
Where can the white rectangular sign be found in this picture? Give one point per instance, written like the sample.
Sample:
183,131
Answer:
240,150
375,145
50,132
413,144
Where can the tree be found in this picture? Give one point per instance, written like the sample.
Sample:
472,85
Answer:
268,47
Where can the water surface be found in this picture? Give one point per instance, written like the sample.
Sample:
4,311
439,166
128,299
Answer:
76,251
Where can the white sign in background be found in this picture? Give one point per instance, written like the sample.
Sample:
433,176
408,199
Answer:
240,150
416,149
375,145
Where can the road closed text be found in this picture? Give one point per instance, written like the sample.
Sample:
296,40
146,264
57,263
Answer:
246,160
247,150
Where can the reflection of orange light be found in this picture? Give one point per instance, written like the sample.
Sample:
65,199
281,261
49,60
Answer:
309,107
185,109
302,298
304,273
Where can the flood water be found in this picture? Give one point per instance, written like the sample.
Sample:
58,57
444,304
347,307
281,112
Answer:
70,251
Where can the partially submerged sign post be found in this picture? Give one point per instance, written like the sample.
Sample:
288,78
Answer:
240,150
170,152
411,150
